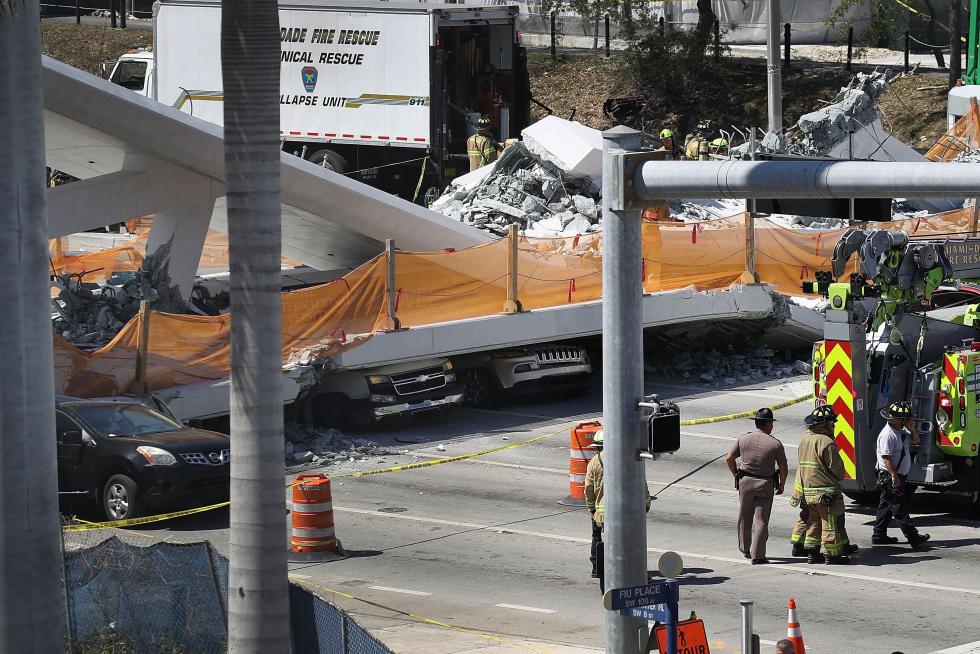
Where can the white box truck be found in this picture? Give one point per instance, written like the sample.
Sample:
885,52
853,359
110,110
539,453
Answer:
385,91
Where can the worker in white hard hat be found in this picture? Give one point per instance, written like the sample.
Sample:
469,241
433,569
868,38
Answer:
595,501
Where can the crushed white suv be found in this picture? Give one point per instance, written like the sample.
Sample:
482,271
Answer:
550,367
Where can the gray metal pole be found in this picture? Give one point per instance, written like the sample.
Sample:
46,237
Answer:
746,626
773,72
659,180
32,595
622,389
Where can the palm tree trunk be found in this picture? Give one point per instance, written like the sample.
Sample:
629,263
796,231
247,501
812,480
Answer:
258,606
32,600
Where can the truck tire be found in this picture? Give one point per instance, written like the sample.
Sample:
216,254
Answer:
330,160
120,498
479,388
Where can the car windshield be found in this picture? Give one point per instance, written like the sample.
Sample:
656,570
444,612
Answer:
124,419
131,74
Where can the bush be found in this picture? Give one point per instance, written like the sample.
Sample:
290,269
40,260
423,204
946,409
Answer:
677,72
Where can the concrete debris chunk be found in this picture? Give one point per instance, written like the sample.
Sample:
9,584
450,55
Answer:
89,315
326,446
546,194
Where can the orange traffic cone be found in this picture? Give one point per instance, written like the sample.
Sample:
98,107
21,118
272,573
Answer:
793,632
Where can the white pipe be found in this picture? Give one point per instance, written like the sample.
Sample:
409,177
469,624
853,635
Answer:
667,180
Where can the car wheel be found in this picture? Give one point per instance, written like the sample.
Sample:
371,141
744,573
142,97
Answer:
120,498
330,160
479,389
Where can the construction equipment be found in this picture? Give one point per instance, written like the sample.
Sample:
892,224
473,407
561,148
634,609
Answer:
884,342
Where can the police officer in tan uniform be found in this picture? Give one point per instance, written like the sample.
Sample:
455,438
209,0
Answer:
760,474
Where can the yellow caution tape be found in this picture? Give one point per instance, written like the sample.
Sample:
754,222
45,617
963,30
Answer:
745,414
449,459
87,526
928,18
408,614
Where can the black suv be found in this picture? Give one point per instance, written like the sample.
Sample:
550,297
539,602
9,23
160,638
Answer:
129,457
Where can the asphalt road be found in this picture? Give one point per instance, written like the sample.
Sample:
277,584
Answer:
484,544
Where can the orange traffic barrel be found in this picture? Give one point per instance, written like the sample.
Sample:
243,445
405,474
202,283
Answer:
580,451
312,529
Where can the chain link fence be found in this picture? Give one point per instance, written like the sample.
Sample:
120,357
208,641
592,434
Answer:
126,593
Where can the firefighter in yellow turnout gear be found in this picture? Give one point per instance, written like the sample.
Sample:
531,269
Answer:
817,491
481,148
595,501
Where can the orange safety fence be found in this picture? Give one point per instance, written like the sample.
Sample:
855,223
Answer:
99,266
442,286
965,135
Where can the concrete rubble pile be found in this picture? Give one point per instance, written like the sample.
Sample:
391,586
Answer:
968,156
854,107
307,444
725,368
548,184
89,315
824,132
526,189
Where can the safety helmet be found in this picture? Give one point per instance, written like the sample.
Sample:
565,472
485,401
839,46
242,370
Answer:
705,126
822,415
897,411
483,123
597,439
666,134
720,142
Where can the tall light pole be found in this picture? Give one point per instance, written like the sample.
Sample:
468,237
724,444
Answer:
773,72
622,388
32,600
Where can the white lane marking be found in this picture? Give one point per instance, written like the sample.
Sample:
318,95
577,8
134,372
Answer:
719,437
524,608
696,555
557,471
300,576
969,648
400,590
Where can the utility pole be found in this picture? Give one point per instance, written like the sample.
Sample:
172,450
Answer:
32,600
622,390
773,73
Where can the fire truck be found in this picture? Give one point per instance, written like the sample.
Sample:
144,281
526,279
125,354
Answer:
885,341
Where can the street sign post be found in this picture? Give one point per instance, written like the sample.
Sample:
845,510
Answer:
654,602
619,599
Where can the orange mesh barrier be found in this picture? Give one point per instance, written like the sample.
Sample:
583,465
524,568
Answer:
99,266
965,135
442,286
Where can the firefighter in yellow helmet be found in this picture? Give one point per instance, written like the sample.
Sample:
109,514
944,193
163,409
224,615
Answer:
817,485
595,501
482,148
668,145
718,146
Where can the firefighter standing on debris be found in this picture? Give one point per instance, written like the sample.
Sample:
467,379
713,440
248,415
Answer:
894,461
595,501
817,485
761,474
482,148
697,146
667,144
